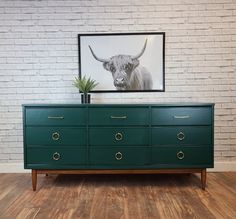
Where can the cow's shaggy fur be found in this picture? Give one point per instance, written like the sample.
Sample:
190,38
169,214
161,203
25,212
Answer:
128,74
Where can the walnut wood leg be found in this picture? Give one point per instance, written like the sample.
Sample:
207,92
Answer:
34,179
203,178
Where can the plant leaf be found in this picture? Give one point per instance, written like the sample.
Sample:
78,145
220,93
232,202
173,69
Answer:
84,85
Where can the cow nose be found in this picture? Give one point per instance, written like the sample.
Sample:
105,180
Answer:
119,80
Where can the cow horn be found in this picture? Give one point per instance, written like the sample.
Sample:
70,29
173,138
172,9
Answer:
99,59
141,53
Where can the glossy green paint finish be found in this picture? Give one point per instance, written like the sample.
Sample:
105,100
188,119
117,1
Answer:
50,116
67,136
44,156
190,135
118,136
118,116
149,136
119,156
192,156
181,116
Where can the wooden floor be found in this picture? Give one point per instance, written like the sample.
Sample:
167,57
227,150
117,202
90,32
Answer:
118,196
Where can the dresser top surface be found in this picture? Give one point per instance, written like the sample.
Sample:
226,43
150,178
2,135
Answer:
187,104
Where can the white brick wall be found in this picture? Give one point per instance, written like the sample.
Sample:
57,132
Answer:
39,57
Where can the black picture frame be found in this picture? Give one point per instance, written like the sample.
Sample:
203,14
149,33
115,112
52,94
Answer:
137,63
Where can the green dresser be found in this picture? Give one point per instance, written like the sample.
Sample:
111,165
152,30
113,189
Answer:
118,138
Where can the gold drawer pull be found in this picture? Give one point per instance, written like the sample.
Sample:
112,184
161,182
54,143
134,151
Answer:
181,136
56,156
118,136
180,155
55,136
55,117
182,117
118,156
118,117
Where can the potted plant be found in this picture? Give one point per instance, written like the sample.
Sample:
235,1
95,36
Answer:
85,85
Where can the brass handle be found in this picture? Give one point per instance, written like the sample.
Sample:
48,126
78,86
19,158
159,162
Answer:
118,117
118,136
55,136
55,117
118,156
180,155
56,156
181,136
182,117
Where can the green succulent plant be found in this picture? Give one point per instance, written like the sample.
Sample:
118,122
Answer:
85,85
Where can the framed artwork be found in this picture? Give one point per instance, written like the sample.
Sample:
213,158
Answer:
124,62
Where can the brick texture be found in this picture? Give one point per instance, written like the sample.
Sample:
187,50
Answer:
39,57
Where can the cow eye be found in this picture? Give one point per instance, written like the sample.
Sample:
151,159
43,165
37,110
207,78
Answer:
112,68
127,67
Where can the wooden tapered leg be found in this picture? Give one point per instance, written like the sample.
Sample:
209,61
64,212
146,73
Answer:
34,179
203,178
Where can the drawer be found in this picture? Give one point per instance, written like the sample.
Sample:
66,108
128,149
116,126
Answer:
119,136
57,156
119,156
182,135
119,116
182,156
66,136
181,116
55,116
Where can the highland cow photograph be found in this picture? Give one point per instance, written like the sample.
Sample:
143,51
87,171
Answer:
131,62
